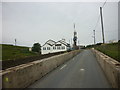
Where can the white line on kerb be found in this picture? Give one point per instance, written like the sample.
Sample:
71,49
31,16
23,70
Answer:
63,67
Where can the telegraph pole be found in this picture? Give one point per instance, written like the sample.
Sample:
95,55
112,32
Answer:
15,41
102,25
94,36
78,42
69,41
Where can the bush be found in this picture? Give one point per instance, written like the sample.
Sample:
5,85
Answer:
36,47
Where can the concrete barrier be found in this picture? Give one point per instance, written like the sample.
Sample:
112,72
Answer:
23,75
110,67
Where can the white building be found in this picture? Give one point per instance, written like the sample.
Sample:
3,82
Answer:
52,47
30,49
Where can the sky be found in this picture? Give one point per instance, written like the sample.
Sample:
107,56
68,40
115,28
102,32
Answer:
119,21
31,22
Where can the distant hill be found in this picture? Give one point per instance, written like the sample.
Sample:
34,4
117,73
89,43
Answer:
10,52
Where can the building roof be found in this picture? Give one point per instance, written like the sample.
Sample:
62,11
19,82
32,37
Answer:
63,42
51,43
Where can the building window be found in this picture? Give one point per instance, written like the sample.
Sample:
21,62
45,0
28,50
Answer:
48,48
58,47
63,47
44,48
54,47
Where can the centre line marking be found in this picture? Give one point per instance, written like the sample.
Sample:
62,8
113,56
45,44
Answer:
63,67
82,69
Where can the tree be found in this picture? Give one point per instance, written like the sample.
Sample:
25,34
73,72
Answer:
36,47
118,40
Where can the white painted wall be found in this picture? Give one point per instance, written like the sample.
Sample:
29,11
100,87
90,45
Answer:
53,50
46,51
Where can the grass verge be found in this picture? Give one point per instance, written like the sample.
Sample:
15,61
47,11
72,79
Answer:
111,50
10,52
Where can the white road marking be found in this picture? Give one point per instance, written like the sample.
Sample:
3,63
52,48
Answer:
63,67
82,69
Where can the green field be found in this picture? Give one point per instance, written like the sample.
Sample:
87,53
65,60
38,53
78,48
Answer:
10,52
111,50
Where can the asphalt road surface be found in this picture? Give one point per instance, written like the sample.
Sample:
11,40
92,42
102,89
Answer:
82,71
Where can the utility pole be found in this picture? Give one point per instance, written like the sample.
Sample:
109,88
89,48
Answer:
15,41
78,42
94,36
71,42
102,25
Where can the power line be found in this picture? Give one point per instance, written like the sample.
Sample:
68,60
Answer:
97,22
104,4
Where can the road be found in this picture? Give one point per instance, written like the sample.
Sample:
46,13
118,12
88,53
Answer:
82,71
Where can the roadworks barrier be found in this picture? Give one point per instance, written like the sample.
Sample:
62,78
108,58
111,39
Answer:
110,67
23,75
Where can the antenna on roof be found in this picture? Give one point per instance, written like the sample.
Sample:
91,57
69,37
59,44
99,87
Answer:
74,26
75,38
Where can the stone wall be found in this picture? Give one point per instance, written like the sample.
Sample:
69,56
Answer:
23,75
110,67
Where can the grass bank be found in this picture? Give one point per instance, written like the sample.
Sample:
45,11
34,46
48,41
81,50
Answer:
17,55
111,50
10,52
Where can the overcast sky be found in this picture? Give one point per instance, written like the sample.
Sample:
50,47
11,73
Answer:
31,22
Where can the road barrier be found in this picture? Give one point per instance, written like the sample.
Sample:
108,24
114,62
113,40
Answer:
110,67
15,62
23,75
